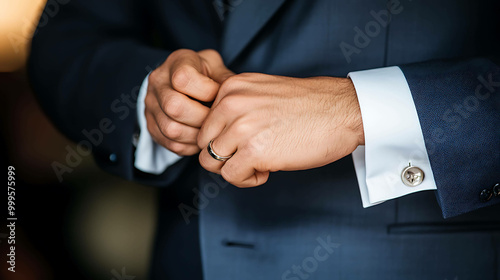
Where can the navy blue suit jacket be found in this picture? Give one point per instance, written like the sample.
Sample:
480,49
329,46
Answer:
89,56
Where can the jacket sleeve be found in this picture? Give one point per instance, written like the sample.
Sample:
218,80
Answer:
87,63
458,105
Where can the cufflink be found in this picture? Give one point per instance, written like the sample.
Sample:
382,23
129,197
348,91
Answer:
485,195
412,176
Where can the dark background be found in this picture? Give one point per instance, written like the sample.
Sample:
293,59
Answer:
84,227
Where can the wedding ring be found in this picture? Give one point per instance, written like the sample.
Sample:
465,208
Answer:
212,153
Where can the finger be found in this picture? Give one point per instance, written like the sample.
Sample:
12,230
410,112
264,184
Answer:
183,109
224,145
222,115
227,142
208,162
188,77
176,131
175,147
213,125
214,65
239,171
234,85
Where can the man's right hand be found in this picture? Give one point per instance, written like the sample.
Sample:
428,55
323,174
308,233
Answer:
173,111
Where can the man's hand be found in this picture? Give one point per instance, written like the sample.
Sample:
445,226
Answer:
173,111
274,123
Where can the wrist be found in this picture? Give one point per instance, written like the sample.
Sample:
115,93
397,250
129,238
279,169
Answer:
354,112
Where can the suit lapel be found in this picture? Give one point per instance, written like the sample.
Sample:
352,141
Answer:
244,20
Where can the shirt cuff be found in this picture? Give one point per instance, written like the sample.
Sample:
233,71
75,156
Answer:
393,136
150,157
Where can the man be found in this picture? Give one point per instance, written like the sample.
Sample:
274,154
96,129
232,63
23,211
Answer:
429,122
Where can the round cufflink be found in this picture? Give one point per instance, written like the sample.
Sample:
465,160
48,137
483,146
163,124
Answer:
485,195
412,176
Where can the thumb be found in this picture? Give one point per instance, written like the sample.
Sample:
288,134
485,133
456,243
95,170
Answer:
216,69
189,76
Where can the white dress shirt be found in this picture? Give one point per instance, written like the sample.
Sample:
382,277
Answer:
149,156
393,138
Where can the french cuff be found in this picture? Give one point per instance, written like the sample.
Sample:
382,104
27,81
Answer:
150,157
393,138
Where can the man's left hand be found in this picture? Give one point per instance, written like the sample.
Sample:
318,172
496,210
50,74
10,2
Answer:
273,123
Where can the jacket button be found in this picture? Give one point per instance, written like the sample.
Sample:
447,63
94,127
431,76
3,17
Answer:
485,195
496,189
412,176
113,158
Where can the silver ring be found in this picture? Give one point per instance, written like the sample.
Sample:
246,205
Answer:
214,154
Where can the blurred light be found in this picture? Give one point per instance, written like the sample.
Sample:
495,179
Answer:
18,21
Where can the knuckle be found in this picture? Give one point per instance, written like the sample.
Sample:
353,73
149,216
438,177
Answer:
253,150
242,128
182,52
173,130
179,53
181,77
173,106
255,147
210,53
230,104
162,124
232,84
